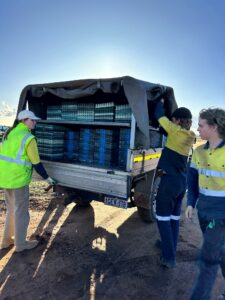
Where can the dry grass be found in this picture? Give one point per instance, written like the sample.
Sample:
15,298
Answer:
39,198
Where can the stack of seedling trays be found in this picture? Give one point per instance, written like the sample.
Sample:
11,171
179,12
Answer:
106,147
123,113
72,145
104,112
85,112
86,146
124,144
50,139
54,112
69,110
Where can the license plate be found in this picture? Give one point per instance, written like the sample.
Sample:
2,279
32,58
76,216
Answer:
115,202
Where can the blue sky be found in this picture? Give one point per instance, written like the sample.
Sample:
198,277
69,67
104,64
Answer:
179,43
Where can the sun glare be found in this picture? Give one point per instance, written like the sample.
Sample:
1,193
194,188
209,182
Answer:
104,63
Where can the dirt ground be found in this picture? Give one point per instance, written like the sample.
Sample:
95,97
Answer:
99,252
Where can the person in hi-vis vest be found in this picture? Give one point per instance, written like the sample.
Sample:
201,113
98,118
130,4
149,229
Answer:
18,155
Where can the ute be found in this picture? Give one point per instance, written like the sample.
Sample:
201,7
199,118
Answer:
99,139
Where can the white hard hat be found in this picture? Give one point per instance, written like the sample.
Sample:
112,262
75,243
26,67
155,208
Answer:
27,114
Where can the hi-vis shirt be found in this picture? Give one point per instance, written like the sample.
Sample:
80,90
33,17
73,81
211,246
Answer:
178,145
206,181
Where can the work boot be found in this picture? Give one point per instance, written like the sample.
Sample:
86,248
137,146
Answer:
27,246
6,243
222,296
167,264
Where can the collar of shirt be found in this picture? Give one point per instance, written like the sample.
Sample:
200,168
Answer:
206,146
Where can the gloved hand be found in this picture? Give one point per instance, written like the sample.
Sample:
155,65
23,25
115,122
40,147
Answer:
51,181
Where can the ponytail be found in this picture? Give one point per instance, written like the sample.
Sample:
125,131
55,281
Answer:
15,123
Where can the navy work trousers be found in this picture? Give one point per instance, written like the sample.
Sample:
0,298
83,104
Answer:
168,207
211,257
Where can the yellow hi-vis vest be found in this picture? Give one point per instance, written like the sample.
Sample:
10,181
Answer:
15,166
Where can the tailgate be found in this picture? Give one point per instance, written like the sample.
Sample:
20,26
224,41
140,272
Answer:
97,180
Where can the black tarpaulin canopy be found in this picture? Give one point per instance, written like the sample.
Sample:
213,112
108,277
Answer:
138,93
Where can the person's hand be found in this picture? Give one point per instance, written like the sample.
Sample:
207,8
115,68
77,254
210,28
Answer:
51,181
189,212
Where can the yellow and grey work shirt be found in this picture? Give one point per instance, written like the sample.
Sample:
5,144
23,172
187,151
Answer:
179,142
206,181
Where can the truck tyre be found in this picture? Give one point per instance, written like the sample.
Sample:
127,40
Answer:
148,195
82,202
81,198
146,214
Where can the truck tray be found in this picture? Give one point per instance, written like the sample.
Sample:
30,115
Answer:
97,180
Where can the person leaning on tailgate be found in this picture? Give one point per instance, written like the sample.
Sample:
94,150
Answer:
18,154
173,165
206,184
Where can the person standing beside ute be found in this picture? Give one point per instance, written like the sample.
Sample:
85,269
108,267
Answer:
18,155
206,184
172,188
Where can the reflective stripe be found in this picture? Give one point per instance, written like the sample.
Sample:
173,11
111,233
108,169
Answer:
175,217
147,157
160,218
22,145
215,193
211,173
167,218
18,159
192,165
